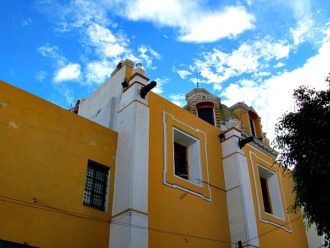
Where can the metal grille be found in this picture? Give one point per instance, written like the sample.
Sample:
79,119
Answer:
96,185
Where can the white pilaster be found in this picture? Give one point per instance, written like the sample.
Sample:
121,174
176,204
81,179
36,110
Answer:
130,204
241,214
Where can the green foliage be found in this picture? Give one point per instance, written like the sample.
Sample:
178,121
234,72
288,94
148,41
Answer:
303,141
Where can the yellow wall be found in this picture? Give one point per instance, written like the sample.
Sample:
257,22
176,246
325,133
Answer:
44,151
271,236
257,124
244,118
178,218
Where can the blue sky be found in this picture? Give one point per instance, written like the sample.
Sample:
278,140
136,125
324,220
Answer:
256,51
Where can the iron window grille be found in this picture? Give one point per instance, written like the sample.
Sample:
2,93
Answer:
96,185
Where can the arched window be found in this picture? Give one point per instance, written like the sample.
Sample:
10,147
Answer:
205,111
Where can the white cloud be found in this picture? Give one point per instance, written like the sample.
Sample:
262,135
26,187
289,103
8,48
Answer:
279,64
52,52
105,42
159,89
302,31
178,99
111,48
183,73
98,71
301,8
217,66
74,14
68,97
249,2
41,75
274,96
217,87
147,54
195,23
26,22
67,73
233,21
97,33
48,51
65,70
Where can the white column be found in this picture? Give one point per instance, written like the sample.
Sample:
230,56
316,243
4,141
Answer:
130,204
241,214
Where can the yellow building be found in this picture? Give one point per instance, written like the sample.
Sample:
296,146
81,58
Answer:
127,168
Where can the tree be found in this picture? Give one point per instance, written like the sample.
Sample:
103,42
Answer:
303,141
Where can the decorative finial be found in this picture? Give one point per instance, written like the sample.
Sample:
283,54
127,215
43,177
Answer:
197,83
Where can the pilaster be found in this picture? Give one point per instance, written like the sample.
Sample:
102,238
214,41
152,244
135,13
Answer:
129,227
241,214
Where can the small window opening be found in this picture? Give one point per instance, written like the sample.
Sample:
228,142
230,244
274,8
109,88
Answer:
96,185
265,195
270,192
181,163
206,114
253,130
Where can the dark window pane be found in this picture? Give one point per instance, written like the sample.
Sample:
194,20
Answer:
99,188
89,183
87,198
265,195
180,160
206,114
90,171
96,183
253,131
100,175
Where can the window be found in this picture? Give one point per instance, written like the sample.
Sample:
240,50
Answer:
206,114
270,191
265,195
205,111
254,122
185,154
96,185
187,162
253,129
180,160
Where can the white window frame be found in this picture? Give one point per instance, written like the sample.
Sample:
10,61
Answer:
274,191
200,188
194,158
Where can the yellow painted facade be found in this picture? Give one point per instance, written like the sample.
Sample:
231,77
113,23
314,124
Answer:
178,218
44,151
274,231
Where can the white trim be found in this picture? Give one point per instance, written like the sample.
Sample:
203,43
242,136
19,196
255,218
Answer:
194,165
258,200
241,207
274,191
255,145
132,160
108,191
165,160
